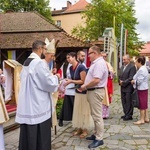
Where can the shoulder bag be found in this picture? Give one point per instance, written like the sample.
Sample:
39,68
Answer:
135,98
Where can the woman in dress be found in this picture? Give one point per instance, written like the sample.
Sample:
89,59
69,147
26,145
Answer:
82,119
68,102
108,89
141,80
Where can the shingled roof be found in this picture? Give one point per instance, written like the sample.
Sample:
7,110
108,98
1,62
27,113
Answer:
20,29
79,6
76,8
25,22
146,49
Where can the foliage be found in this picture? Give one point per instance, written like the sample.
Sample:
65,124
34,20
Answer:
99,15
59,106
40,6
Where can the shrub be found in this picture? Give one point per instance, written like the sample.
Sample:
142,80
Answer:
59,106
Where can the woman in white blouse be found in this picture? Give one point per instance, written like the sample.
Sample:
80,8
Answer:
141,80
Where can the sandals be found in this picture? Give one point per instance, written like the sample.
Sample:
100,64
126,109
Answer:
138,122
84,134
79,131
147,121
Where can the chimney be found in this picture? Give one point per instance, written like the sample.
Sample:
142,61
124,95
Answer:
69,4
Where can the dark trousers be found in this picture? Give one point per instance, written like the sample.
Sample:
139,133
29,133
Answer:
67,108
35,137
127,104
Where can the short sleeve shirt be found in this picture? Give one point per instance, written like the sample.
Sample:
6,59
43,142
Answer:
98,69
75,74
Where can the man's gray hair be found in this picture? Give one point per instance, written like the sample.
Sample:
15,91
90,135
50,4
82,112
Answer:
37,44
96,48
127,56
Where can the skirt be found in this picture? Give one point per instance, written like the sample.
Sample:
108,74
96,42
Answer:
81,113
105,111
143,99
67,108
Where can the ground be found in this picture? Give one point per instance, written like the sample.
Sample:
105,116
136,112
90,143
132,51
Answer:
119,134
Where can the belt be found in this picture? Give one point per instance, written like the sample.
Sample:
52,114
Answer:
92,89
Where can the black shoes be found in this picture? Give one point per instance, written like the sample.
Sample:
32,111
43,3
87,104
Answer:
127,118
92,137
96,143
122,117
60,123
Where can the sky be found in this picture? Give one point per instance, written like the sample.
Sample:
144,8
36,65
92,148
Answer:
142,8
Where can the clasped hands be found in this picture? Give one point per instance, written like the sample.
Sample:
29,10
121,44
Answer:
121,82
132,82
68,81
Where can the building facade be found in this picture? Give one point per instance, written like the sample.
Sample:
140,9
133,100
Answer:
70,16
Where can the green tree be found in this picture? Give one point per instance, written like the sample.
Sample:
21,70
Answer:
41,6
99,15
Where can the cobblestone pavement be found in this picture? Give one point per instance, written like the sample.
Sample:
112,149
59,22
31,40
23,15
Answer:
119,134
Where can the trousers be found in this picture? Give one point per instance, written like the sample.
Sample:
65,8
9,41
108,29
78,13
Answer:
95,98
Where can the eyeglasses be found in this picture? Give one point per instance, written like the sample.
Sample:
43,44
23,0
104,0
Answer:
90,53
44,48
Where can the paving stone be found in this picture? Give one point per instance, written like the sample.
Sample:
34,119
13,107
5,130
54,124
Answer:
66,148
119,134
131,142
69,143
113,142
141,142
76,142
66,138
106,135
57,140
81,148
130,147
84,143
114,128
127,129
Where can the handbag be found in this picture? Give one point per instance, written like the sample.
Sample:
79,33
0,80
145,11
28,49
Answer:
135,98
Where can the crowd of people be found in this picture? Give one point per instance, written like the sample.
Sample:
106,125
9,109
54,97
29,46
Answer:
87,94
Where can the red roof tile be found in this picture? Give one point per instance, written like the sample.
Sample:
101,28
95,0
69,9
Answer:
79,6
146,48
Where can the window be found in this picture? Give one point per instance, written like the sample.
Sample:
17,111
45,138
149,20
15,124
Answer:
58,23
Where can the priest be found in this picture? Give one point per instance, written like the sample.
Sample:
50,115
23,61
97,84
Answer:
34,101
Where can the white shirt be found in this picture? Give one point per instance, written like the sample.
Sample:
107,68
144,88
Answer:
69,91
98,69
141,78
34,105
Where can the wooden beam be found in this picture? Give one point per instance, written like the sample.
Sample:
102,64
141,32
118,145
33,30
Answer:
20,55
4,55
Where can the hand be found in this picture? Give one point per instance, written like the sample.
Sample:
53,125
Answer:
120,82
54,71
68,81
58,75
82,88
132,82
2,79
